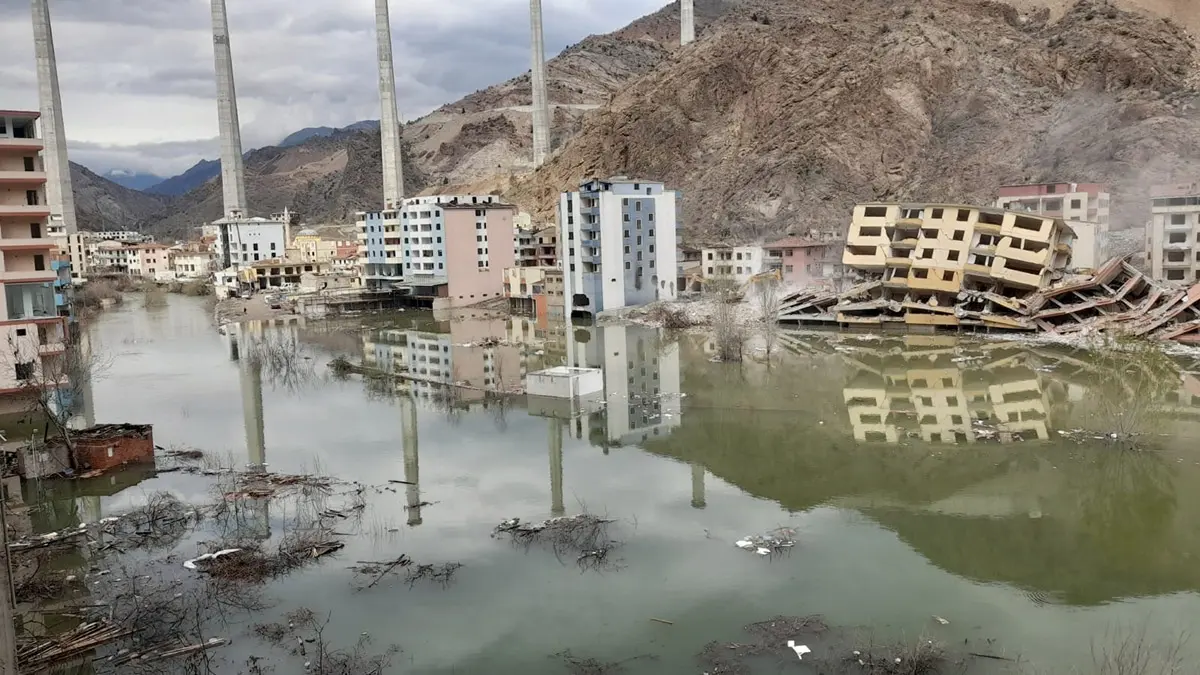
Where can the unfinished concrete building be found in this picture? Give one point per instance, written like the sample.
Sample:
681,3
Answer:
947,266
921,258
1173,233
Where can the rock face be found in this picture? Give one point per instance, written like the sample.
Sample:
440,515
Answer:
784,113
101,204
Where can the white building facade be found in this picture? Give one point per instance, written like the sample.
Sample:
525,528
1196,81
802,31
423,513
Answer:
618,239
1173,233
407,243
242,241
732,262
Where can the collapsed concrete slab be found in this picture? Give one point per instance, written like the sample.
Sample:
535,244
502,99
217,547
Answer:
963,267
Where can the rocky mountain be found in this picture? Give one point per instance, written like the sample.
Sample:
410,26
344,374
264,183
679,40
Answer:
101,204
200,173
132,179
298,137
785,112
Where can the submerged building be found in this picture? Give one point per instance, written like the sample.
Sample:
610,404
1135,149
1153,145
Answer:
619,247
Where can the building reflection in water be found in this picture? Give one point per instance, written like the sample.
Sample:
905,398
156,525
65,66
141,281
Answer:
926,387
641,381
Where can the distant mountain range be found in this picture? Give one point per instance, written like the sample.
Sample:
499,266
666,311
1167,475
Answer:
132,179
207,169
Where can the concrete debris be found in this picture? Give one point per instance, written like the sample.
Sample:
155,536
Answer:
1117,298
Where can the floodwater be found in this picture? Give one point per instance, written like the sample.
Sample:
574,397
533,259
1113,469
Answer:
924,476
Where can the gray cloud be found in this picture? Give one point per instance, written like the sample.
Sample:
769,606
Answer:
137,75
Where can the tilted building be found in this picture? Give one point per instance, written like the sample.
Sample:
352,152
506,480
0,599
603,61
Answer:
1083,206
1173,233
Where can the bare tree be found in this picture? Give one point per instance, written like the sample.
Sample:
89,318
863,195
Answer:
55,368
769,299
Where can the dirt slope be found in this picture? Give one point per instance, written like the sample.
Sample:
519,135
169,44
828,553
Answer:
788,112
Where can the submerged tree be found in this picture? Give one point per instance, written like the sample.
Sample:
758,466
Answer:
1134,377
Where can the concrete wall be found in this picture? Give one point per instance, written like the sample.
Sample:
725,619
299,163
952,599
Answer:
478,248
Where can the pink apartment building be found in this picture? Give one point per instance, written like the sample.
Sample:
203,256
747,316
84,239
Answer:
32,334
479,247
804,262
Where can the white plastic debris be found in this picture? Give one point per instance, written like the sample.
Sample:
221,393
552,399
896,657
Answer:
743,543
191,564
940,620
800,650
763,551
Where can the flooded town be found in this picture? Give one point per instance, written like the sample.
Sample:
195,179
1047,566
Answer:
497,390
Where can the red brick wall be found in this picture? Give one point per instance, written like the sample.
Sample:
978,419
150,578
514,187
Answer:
94,453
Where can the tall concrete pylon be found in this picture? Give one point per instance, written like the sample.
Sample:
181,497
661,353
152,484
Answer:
59,196
233,173
687,21
389,120
412,458
537,76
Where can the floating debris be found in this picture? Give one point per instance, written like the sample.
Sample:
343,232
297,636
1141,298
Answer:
775,541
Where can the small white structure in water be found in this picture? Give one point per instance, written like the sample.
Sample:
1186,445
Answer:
565,382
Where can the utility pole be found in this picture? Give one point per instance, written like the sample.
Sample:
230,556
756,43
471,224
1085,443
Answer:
8,597
537,81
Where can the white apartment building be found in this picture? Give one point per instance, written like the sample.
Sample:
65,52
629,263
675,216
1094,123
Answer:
1083,206
242,241
190,265
731,262
1173,233
407,242
618,239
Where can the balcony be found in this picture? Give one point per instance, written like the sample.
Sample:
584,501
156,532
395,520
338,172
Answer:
899,262
23,144
22,177
26,244
18,276
909,243
25,210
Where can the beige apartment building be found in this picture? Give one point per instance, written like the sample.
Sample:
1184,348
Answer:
1083,206
925,255
32,334
1173,233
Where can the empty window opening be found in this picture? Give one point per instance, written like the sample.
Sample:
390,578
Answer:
963,215
875,211
926,254
921,274
991,218
1027,223
959,235
937,213
1179,219
947,276
864,231
953,256
1177,238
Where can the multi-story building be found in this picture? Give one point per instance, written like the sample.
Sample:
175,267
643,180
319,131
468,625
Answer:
410,241
32,330
241,241
926,254
736,263
309,245
150,261
277,273
618,237
805,263
1173,233
1083,206
127,236
190,265
111,257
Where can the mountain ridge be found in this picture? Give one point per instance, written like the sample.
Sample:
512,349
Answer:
782,114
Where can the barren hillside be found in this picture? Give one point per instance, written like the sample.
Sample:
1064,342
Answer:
788,112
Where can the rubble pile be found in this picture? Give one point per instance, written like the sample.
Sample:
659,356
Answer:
1118,297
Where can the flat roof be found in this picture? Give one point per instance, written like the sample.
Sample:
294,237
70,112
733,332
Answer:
480,205
797,242
30,114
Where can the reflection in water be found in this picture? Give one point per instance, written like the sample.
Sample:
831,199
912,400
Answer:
1075,519
250,517
408,434
641,381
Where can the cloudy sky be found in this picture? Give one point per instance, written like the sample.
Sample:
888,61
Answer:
137,75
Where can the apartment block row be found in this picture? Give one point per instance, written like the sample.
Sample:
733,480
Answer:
34,274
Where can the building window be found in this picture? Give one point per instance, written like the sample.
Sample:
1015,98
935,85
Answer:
637,204
787,268
39,262
1075,204
626,264
625,217
25,371
1178,219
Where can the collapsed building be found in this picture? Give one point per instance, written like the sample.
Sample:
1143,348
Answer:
931,266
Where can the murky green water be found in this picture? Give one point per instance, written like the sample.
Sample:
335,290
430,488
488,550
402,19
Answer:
924,476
